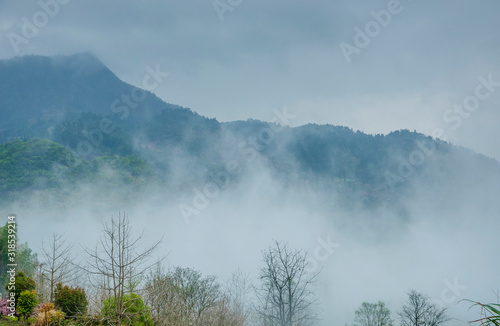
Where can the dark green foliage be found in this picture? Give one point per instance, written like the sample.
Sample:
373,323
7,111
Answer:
26,303
136,312
25,258
35,164
183,128
72,301
100,134
22,283
39,164
4,257
339,152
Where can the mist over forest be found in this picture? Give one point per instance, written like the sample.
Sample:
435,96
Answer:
378,214
249,163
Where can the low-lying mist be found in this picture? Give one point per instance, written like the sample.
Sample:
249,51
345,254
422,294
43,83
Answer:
447,251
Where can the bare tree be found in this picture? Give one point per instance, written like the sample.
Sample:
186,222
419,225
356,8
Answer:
183,296
224,314
118,258
373,314
160,297
238,289
419,311
285,295
58,263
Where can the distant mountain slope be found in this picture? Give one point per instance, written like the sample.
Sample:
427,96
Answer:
39,164
77,102
25,164
38,92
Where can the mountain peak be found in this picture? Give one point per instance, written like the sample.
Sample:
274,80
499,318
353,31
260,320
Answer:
84,59
85,63
40,92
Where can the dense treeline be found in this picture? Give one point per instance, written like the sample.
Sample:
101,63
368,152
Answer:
375,169
38,164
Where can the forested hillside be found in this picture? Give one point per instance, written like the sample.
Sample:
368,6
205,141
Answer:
93,122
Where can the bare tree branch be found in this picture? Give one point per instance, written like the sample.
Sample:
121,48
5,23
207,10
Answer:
419,311
285,295
58,262
119,259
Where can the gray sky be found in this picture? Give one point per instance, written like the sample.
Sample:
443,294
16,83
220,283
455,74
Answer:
268,55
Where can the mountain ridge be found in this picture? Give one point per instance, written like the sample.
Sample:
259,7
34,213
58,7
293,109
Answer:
78,102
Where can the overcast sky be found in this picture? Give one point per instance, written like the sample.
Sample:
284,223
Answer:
246,58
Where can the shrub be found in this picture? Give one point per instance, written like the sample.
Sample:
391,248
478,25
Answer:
46,315
136,312
50,318
44,307
72,301
27,302
22,283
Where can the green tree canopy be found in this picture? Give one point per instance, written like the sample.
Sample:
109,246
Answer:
137,313
72,301
26,303
22,283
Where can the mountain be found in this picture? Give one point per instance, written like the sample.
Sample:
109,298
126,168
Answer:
73,106
38,92
39,164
